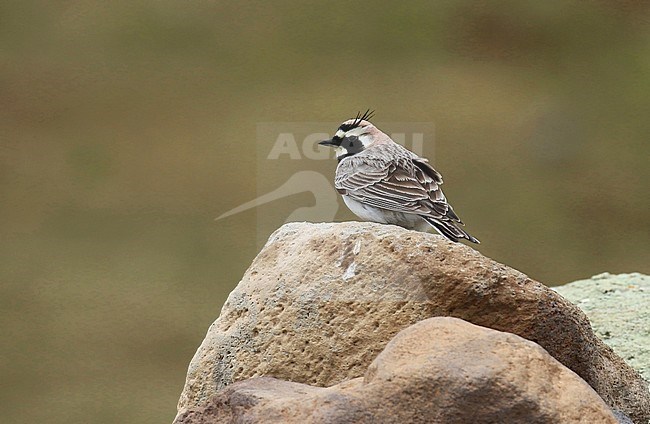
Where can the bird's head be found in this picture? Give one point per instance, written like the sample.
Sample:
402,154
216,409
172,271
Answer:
354,136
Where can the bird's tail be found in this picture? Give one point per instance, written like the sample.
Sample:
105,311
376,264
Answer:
449,230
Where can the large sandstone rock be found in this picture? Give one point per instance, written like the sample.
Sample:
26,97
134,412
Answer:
321,301
618,307
440,370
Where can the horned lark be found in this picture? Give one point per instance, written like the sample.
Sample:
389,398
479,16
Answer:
381,181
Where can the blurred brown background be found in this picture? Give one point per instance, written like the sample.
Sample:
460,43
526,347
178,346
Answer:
126,127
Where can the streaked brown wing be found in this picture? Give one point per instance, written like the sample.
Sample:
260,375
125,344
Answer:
409,186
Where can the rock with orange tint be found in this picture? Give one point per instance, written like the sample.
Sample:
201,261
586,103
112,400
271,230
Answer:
320,302
440,370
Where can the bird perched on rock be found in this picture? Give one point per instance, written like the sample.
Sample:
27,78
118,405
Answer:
383,182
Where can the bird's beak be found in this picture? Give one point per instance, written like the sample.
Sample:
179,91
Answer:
326,143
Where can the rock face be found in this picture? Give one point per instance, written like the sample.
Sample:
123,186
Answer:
321,301
441,370
618,307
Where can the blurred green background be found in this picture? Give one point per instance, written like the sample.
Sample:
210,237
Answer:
126,127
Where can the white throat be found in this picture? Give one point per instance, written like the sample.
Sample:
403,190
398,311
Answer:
340,151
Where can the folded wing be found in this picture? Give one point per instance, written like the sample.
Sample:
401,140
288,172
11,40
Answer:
407,184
